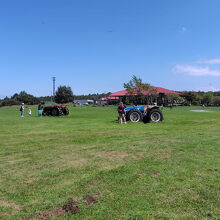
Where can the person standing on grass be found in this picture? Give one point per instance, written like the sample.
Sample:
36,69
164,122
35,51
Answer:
121,112
40,109
29,112
22,110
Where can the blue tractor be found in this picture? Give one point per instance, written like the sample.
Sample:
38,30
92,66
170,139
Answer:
144,113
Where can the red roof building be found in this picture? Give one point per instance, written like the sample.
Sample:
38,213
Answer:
120,95
158,90
108,98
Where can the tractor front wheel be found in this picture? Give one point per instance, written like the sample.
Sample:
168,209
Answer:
135,115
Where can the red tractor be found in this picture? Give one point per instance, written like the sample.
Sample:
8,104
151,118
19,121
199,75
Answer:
55,110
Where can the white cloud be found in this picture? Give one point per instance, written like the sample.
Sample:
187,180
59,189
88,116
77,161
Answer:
212,61
195,70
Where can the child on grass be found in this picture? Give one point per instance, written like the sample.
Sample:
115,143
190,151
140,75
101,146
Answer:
29,112
121,112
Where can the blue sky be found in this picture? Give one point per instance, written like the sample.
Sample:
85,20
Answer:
97,45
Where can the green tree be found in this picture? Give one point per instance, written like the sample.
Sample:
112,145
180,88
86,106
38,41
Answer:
64,94
17,99
216,100
139,92
192,97
25,97
135,86
207,98
173,98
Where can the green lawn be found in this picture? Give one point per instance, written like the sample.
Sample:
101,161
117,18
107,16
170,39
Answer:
167,170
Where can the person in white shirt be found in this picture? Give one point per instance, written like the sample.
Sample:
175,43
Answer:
29,112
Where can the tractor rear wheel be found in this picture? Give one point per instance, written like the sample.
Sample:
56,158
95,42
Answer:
66,111
155,115
135,115
56,112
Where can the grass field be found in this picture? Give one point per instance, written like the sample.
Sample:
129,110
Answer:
167,170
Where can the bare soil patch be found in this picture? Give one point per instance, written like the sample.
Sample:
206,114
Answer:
29,181
155,174
74,160
70,207
14,161
90,200
77,162
163,154
46,215
10,205
113,159
110,155
139,155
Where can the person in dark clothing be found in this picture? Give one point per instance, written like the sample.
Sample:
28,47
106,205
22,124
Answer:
121,112
22,110
40,109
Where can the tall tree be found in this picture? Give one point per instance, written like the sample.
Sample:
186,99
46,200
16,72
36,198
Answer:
173,98
139,92
192,97
207,98
136,86
64,94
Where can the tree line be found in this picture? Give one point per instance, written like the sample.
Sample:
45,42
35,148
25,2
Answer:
135,88
63,95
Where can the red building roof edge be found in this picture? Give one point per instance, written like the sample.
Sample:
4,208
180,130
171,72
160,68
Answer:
158,89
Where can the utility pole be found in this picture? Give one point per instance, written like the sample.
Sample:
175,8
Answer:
54,90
